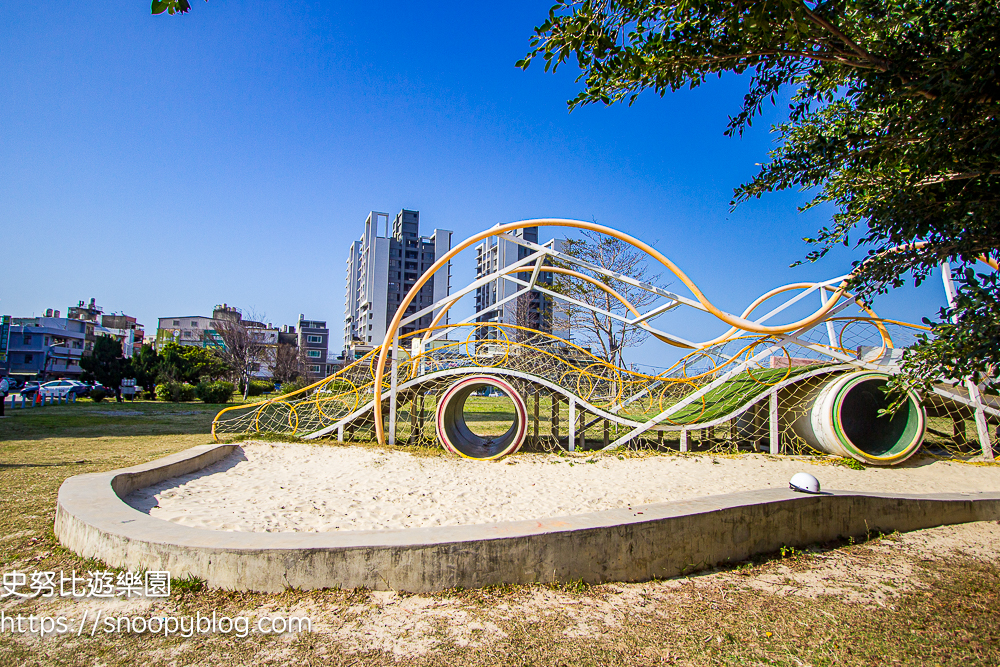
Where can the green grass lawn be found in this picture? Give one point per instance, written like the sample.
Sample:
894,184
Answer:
945,609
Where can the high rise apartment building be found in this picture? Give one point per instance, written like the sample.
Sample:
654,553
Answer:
382,269
532,310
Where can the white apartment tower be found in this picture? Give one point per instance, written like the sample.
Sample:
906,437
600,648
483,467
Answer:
382,269
534,310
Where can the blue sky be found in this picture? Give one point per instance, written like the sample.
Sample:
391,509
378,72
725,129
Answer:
165,164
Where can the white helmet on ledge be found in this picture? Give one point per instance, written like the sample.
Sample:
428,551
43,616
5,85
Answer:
804,482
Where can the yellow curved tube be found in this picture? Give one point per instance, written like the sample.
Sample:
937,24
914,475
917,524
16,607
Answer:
732,320
737,323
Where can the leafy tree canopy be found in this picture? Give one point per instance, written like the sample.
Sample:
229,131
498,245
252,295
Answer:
187,363
146,367
893,119
105,363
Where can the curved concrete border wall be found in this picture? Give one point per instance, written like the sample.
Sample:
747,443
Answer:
665,540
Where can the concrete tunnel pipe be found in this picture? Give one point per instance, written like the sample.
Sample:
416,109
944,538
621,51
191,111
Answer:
458,438
842,419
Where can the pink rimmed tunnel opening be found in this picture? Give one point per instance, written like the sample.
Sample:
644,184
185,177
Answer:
453,423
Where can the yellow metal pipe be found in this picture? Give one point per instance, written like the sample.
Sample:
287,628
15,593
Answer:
735,322
732,320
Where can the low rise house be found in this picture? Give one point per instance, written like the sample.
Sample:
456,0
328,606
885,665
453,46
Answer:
43,348
124,328
203,331
197,330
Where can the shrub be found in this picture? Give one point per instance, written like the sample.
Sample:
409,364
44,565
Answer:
97,395
175,392
215,392
258,387
289,387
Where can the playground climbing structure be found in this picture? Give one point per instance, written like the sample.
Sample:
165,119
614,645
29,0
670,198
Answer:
811,385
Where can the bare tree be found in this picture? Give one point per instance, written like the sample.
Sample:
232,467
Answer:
245,346
287,364
608,336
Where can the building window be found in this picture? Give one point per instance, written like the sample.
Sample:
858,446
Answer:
28,358
315,354
314,368
177,323
314,339
194,324
27,339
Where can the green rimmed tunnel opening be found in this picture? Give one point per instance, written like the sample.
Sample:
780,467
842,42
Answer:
872,434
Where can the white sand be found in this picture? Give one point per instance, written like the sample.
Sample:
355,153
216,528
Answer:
269,487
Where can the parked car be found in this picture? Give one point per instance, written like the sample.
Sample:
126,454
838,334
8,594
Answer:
56,388
12,385
28,389
82,388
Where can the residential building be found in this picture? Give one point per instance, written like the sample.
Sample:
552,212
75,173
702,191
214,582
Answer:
287,336
47,347
382,269
86,313
4,340
334,362
119,326
202,331
533,310
196,330
124,328
314,343
51,345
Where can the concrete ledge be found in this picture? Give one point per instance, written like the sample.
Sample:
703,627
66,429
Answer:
667,539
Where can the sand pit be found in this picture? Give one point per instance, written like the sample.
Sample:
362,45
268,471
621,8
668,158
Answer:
270,487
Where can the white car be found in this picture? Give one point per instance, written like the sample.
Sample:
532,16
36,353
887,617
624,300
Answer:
60,388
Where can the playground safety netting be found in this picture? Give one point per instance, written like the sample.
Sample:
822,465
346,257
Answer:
716,399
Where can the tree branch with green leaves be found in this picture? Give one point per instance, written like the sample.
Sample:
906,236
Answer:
892,121
171,6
